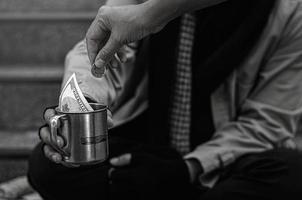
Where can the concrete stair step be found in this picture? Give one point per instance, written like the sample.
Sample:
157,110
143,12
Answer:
25,92
49,5
31,73
39,38
15,148
11,168
17,144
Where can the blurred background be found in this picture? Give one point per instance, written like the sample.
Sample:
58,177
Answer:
35,36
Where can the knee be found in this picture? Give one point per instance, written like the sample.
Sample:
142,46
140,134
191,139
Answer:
291,157
34,173
41,171
292,160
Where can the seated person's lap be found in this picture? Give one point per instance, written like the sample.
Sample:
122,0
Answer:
262,176
274,174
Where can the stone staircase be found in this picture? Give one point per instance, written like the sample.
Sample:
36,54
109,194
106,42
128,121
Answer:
35,36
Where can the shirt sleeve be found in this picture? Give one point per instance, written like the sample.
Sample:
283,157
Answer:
270,116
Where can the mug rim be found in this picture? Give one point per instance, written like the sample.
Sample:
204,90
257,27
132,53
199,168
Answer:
104,107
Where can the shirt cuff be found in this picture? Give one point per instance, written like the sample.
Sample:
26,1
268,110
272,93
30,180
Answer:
211,160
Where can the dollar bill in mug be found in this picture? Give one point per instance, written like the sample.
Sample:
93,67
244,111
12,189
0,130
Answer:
72,99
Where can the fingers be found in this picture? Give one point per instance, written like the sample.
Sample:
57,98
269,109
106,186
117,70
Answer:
110,172
117,175
51,154
45,137
114,63
104,40
101,45
69,165
39,131
110,123
55,157
96,38
121,161
121,55
49,113
107,52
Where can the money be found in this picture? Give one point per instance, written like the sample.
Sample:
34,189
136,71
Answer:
98,72
72,99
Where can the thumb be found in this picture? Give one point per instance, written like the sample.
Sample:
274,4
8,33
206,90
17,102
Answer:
122,160
49,113
107,52
109,119
110,122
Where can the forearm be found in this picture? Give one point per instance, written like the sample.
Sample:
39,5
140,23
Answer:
122,2
162,12
186,5
192,5
195,169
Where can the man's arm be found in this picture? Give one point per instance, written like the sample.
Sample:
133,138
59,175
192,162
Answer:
162,12
121,2
115,26
270,116
195,169
79,53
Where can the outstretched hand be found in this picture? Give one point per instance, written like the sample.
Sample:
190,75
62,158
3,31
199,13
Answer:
115,27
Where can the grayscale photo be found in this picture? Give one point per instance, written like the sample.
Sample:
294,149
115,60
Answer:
150,99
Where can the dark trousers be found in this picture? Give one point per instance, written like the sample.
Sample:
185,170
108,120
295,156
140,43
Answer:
275,174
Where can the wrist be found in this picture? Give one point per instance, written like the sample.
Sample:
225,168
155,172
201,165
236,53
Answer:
194,168
158,13
120,2
170,9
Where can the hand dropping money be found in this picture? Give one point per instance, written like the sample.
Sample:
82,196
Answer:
72,98
127,52
98,72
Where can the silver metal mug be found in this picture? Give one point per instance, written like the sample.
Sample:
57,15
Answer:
85,135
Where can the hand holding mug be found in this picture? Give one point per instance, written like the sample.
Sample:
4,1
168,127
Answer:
62,146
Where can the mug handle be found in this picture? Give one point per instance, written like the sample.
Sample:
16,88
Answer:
55,123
